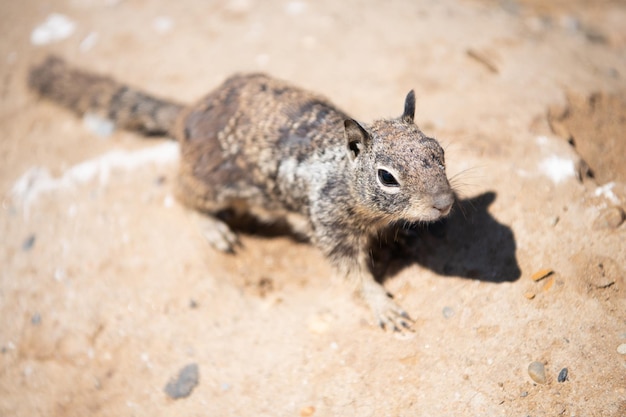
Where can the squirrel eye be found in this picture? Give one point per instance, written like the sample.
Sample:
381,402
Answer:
387,179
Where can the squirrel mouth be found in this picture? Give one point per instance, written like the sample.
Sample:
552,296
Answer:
435,213
438,207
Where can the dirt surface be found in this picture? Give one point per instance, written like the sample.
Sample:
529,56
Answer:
108,290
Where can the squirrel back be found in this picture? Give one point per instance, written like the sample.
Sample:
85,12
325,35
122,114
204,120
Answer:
84,92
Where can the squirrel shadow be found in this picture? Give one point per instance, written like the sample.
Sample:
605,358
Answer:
470,243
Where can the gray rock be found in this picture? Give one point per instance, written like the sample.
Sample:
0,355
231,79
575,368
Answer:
184,383
28,243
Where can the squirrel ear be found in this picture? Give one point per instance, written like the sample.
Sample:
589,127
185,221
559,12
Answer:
356,137
409,107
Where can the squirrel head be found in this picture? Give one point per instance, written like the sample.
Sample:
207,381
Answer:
399,173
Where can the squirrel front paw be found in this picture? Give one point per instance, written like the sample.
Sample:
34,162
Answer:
390,316
218,234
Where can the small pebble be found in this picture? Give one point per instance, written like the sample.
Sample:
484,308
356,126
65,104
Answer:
562,375
184,383
28,243
621,349
541,274
36,319
610,218
529,295
448,312
537,372
524,394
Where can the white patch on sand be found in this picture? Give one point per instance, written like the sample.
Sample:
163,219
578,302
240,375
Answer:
558,168
606,191
38,180
55,28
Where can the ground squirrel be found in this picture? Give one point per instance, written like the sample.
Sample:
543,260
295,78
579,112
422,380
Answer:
261,147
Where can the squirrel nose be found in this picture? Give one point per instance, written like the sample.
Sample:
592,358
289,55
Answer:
445,209
443,203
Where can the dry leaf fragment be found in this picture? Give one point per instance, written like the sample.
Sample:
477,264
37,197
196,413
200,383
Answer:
541,274
549,283
307,411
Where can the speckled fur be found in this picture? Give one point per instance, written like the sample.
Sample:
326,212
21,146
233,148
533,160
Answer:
260,146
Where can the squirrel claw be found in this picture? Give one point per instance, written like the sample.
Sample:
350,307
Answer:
391,317
396,321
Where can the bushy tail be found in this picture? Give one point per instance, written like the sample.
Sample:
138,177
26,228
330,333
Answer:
85,92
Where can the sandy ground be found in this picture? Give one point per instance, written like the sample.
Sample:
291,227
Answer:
107,289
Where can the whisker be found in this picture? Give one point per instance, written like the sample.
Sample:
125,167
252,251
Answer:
460,183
